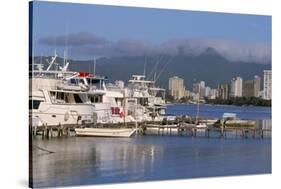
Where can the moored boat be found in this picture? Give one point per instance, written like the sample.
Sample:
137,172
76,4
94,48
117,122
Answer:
105,132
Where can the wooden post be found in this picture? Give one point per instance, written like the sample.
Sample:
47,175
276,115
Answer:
43,130
143,130
34,130
48,132
222,131
59,130
51,131
136,124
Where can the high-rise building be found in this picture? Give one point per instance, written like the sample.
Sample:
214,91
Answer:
236,87
267,84
248,88
200,88
251,88
257,86
195,87
224,91
213,94
176,87
207,91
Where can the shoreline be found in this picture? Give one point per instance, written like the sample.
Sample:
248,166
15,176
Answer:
227,105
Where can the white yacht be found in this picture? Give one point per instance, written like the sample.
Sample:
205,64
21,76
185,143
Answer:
147,96
60,97
117,98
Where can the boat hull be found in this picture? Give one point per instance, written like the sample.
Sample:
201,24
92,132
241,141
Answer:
104,132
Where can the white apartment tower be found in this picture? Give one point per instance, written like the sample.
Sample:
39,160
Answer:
236,87
267,84
176,87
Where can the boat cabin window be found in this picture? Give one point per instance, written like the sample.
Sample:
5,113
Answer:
34,104
73,81
143,101
58,97
96,83
77,98
96,98
82,81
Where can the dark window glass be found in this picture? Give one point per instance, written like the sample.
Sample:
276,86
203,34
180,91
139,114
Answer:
60,96
73,81
77,98
34,104
82,81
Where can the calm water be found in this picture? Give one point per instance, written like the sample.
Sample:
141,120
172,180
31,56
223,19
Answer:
86,160
211,111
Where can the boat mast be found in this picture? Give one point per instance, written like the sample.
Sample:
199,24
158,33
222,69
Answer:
198,102
95,66
52,61
144,67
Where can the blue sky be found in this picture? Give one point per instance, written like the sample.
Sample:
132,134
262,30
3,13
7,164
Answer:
145,28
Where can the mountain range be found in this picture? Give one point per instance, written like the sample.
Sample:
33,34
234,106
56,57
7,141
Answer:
209,66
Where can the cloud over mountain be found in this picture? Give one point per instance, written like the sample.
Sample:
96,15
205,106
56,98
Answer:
84,44
74,39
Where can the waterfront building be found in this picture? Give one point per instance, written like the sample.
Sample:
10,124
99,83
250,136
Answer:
257,86
224,91
200,88
213,94
207,91
267,84
176,87
251,88
248,88
187,93
236,87
195,87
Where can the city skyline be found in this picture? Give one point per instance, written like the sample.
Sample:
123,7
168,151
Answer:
237,87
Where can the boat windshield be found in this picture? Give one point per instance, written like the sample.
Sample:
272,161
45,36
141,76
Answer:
95,83
34,104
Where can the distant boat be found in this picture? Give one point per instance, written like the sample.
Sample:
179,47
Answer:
231,120
105,132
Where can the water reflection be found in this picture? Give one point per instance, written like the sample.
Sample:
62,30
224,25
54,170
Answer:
83,160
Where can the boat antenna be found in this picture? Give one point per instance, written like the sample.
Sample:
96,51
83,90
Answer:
52,61
144,67
164,67
198,103
95,66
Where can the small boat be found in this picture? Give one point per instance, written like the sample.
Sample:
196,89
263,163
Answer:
105,132
201,125
240,123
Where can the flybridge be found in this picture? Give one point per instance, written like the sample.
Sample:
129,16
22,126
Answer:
140,79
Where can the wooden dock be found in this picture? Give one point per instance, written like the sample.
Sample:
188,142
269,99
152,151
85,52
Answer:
179,129
192,130
50,131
